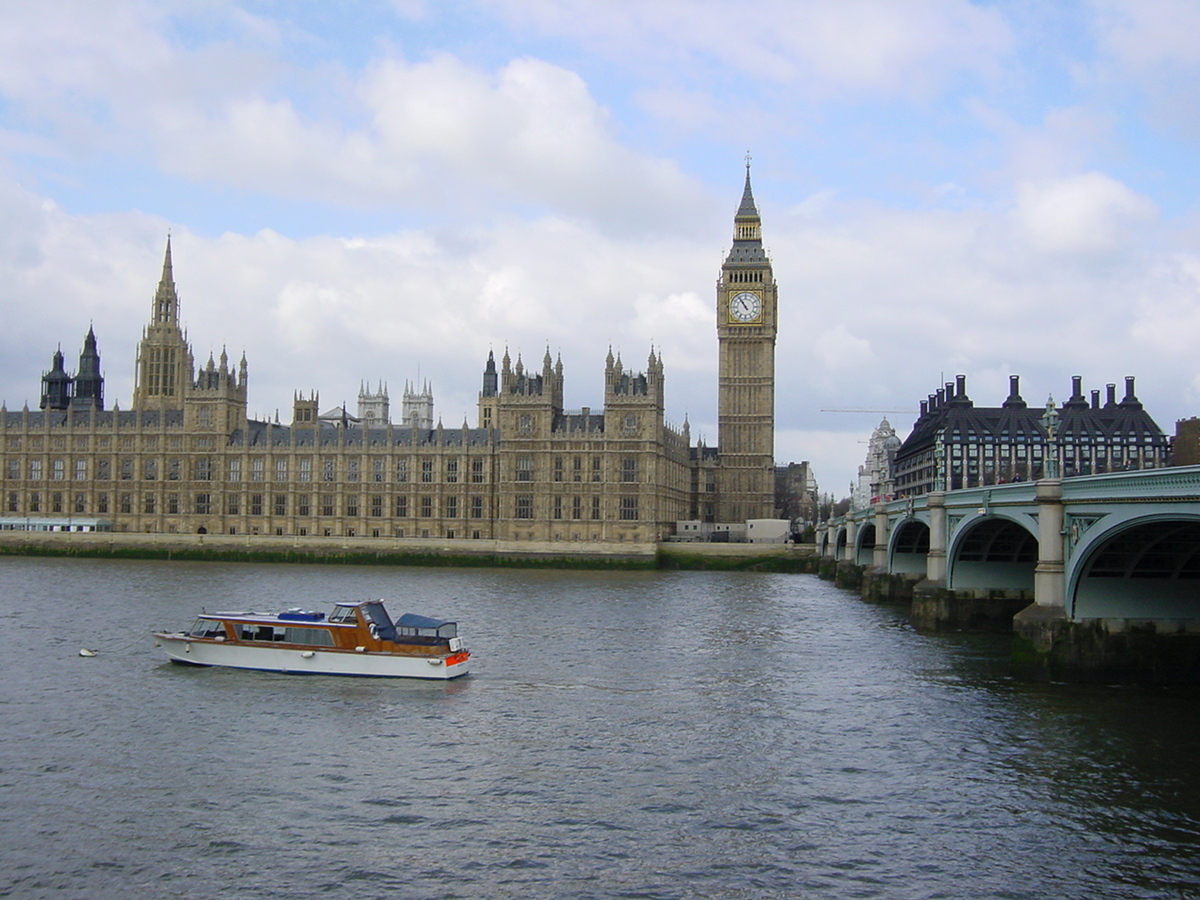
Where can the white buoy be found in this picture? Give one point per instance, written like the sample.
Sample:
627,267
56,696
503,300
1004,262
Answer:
86,652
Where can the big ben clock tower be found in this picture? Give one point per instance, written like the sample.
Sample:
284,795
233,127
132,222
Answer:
747,320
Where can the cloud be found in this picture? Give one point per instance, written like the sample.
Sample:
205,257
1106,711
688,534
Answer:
834,455
530,130
1152,46
839,349
859,45
1089,213
324,313
1151,34
224,109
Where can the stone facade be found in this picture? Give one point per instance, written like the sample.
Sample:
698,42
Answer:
186,459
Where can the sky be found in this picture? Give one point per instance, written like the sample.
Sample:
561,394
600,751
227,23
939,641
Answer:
385,192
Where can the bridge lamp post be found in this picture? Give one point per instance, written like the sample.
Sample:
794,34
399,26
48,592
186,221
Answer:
1050,423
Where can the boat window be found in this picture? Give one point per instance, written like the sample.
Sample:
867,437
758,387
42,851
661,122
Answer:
443,630
208,628
248,631
320,637
342,614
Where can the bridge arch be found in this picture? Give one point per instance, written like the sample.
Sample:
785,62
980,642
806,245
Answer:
1142,568
864,550
992,552
909,547
840,544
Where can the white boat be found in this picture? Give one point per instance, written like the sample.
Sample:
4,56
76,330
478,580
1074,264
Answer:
357,638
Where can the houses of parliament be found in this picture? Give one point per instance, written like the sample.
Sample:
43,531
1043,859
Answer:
186,458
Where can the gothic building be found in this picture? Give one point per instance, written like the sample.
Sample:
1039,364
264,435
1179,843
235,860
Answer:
186,458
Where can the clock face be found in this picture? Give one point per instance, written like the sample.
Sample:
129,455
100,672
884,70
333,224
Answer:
745,307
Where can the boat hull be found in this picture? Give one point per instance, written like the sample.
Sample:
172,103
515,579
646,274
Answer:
185,649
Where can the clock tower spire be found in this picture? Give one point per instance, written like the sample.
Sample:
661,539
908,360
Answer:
747,321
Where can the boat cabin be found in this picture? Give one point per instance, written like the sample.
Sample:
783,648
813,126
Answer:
343,627
412,627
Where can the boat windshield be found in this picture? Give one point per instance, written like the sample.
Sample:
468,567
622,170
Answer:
207,628
343,614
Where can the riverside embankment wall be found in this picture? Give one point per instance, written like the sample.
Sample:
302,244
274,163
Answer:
398,551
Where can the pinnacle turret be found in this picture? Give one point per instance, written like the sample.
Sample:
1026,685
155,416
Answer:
166,300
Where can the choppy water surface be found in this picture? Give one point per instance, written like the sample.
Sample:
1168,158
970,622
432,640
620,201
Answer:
637,735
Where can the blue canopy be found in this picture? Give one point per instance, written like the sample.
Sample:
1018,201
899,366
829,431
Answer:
412,620
412,625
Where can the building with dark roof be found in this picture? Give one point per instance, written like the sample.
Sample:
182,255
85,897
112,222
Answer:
956,444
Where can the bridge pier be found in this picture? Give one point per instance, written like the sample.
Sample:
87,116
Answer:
1047,646
827,568
848,575
882,586
980,610
935,561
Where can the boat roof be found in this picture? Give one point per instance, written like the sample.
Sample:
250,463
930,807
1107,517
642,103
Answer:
412,620
408,620
261,617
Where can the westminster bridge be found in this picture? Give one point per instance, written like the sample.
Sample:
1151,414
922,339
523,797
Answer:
1097,576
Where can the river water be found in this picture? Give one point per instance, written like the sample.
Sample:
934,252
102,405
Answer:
622,735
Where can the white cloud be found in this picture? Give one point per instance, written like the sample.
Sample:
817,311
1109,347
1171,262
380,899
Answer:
1150,34
820,47
1167,313
531,130
1088,213
1151,45
442,135
324,313
834,455
839,349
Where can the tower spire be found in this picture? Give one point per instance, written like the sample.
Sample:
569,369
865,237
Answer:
747,226
166,300
747,208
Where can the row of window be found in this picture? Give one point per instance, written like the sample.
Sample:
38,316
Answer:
1062,438
1117,451
202,469
376,505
